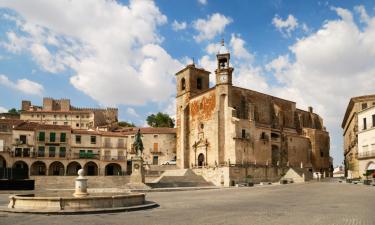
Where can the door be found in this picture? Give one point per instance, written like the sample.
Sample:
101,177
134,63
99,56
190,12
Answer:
155,160
200,159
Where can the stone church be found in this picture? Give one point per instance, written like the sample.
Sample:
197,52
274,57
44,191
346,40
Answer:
227,133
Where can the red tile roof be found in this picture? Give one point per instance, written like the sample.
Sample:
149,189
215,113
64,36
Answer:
36,126
147,130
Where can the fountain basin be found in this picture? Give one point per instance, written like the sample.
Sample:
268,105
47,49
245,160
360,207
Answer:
90,203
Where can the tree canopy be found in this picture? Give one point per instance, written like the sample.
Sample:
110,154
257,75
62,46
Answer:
160,120
13,111
126,124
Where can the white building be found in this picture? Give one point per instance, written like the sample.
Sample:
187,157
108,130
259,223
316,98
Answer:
366,140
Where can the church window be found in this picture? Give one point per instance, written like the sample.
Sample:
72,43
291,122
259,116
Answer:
199,83
183,84
243,133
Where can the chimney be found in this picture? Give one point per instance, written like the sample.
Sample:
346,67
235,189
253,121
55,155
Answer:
310,109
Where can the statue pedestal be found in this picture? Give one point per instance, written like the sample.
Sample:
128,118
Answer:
138,173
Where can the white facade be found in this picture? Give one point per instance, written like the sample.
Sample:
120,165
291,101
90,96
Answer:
366,140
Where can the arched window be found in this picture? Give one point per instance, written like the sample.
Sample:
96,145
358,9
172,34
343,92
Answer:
183,84
199,83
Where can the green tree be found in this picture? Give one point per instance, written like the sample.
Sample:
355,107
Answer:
160,120
126,124
13,111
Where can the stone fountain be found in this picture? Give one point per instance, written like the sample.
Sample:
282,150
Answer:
80,202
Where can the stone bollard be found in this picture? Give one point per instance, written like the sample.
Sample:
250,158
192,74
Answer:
81,185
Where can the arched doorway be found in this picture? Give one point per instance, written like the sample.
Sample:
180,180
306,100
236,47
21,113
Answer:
38,168
91,169
72,168
200,159
56,169
3,162
113,169
21,169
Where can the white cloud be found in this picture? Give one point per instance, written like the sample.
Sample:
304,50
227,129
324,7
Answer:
24,85
328,68
238,46
363,14
113,49
246,74
285,26
3,110
131,111
176,26
203,2
210,27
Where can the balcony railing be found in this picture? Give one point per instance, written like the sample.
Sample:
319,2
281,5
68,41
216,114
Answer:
368,154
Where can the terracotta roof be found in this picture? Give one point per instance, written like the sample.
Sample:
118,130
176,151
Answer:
36,126
351,104
11,122
147,130
193,67
96,132
55,111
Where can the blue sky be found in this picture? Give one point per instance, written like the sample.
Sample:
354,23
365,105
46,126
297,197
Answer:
125,53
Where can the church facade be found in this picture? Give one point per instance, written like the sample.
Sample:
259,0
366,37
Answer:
227,129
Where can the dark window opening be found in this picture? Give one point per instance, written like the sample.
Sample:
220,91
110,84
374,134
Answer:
183,84
274,136
321,154
41,151
199,83
243,133
364,105
373,120
52,151
18,152
23,139
62,152
93,139
52,137
62,137
223,63
78,139
364,124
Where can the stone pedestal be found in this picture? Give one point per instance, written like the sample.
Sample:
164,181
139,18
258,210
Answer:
81,185
138,173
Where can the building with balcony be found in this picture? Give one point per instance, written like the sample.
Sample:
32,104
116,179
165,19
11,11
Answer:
227,130
56,150
60,112
366,140
351,128
159,144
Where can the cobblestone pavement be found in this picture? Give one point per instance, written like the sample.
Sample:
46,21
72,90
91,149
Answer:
311,203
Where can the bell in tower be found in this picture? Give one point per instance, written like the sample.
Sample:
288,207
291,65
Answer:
223,71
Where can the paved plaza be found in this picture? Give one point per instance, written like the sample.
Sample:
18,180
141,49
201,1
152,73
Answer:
310,203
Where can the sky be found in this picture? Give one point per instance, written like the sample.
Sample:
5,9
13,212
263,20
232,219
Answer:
125,53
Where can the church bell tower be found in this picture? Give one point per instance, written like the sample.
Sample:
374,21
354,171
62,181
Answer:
223,71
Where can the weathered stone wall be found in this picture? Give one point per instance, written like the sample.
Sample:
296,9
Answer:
68,182
226,176
161,145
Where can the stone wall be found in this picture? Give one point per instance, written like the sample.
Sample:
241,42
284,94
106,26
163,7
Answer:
68,182
226,176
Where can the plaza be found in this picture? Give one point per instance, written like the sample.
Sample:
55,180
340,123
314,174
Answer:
307,203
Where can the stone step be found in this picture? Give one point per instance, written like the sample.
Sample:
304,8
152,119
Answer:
180,178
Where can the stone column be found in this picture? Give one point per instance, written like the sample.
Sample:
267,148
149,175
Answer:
138,175
81,185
